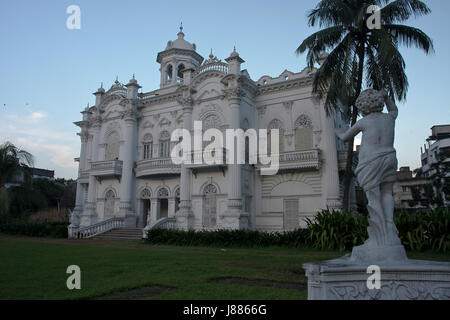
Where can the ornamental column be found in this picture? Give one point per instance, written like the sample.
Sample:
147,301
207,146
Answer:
129,155
330,176
234,217
81,167
89,215
185,216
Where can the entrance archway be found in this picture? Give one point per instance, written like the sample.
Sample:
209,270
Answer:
146,207
209,206
163,203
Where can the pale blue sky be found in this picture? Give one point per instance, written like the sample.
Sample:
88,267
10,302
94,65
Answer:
47,72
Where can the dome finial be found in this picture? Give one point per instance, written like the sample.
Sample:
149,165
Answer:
101,85
117,79
211,55
181,34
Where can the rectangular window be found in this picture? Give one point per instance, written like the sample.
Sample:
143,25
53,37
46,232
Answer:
164,149
148,149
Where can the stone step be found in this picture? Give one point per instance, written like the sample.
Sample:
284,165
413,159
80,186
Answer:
121,234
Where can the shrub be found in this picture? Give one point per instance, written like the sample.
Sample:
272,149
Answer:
336,230
34,229
328,230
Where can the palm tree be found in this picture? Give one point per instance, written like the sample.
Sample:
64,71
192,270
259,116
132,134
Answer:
13,161
360,55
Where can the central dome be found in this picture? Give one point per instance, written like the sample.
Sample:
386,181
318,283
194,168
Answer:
180,43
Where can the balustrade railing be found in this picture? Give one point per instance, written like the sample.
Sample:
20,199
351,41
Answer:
163,223
106,164
214,66
100,227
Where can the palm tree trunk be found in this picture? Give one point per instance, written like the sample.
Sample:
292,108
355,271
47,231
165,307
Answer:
349,164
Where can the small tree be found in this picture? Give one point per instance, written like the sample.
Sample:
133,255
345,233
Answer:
359,55
14,162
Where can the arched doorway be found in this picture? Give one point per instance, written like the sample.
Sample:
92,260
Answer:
163,203
209,206
109,204
146,207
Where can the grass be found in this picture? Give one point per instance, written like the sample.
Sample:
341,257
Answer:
33,268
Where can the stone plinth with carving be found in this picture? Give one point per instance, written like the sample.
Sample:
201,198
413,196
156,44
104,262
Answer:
344,279
399,278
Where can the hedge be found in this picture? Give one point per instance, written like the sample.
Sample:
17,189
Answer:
34,229
328,230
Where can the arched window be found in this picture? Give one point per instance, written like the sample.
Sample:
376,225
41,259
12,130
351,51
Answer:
275,124
303,133
109,203
211,121
180,71
209,206
163,203
163,193
146,194
147,144
164,144
169,73
112,150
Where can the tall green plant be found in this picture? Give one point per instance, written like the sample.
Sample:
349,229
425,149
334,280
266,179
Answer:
360,56
13,162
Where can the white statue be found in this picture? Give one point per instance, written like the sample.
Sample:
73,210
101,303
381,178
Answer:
376,174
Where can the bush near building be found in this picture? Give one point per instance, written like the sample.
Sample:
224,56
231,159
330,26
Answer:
329,230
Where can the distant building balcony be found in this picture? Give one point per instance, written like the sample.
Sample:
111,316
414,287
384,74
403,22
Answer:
158,167
106,168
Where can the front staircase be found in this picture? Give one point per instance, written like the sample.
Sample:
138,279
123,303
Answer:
120,234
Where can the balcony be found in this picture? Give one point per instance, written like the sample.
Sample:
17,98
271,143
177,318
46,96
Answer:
308,160
106,169
201,162
157,168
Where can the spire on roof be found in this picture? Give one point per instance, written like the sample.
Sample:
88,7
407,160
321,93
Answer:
181,34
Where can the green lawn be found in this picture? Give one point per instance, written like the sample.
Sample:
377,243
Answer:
36,269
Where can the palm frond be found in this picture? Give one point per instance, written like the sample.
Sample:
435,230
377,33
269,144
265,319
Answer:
409,36
402,10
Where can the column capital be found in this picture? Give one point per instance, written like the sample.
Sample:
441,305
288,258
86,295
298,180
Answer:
95,122
129,115
234,95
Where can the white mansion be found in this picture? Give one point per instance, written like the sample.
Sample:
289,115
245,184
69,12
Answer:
128,180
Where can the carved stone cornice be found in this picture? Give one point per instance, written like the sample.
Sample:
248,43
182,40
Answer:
286,85
157,99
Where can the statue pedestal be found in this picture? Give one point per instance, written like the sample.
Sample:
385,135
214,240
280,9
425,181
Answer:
346,279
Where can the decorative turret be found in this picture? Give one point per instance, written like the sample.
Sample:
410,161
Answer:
178,56
99,95
85,113
234,62
132,88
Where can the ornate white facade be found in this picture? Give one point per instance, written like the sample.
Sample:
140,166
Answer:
125,169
